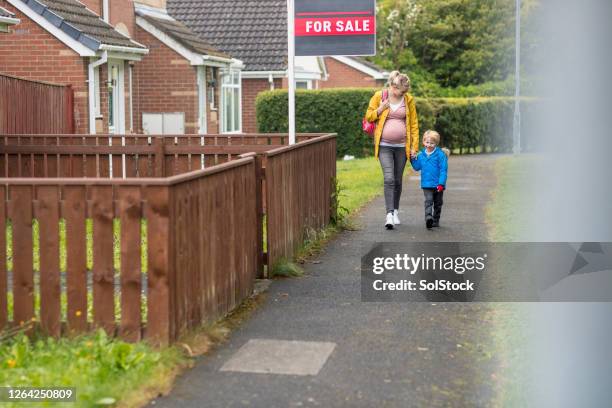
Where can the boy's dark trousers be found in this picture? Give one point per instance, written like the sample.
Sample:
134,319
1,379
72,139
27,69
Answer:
433,204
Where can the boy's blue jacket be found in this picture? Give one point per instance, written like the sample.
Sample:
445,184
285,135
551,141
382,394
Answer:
433,168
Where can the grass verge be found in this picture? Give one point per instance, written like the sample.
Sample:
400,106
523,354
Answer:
104,371
107,371
507,220
507,212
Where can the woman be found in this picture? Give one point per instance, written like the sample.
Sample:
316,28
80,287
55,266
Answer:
395,139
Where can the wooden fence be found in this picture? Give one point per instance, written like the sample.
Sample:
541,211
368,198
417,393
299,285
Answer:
299,183
193,221
203,229
130,155
35,107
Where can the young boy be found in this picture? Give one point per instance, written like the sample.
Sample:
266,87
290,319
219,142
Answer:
433,164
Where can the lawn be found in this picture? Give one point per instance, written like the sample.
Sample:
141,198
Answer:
509,207
507,219
360,181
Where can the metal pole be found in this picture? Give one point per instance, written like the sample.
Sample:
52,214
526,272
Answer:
516,131
290,60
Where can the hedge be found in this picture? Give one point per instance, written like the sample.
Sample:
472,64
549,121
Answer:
465,124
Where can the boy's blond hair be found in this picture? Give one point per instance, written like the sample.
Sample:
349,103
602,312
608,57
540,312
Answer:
432,134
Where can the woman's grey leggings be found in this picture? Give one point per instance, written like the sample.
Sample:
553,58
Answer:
392,160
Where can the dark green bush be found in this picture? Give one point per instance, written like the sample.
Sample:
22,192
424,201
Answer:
465,124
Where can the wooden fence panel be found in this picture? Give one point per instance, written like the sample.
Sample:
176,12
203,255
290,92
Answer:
23,267
130,159
47,213
298,190
103,269
3,274
91,162
117,159
129,201
26,165
210,259
51,161
28,106
159,273
39,159
76,257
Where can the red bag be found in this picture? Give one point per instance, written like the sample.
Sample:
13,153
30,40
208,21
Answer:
370,127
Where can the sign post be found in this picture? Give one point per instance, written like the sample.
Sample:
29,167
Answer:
290,66
325,28
516,131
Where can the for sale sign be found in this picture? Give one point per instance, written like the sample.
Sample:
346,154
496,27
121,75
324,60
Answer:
335,27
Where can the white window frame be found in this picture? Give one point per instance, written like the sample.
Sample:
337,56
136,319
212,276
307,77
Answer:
232,85
308,83
211,97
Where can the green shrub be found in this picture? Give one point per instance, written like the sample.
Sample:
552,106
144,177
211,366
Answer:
465,124
335,111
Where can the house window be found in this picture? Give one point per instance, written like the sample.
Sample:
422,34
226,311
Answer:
230,102
303,84
212,87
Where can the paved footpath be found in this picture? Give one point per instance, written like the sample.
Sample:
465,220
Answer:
360,354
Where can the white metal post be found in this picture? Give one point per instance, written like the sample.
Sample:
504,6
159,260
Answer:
290,61
516,132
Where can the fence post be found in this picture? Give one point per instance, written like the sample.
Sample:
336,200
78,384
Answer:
160,154
259,177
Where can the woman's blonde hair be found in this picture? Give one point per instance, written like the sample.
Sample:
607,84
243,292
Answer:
401,81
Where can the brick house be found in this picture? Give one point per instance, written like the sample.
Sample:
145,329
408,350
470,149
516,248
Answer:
140,68
183,81
256,33
133,70
66,42
7,19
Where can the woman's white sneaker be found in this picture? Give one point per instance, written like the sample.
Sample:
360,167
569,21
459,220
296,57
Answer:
389,221
396,219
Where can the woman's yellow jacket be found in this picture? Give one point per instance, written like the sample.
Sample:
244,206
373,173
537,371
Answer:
412,123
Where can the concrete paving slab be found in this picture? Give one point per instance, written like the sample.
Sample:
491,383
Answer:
269,356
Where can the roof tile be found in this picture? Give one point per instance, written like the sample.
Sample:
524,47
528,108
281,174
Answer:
76,20
248,30
184,35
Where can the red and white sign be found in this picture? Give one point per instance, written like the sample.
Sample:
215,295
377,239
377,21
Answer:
319,26
333,27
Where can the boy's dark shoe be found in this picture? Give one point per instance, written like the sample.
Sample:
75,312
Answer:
429,223
435,224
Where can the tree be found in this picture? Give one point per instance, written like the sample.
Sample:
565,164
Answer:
449,42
